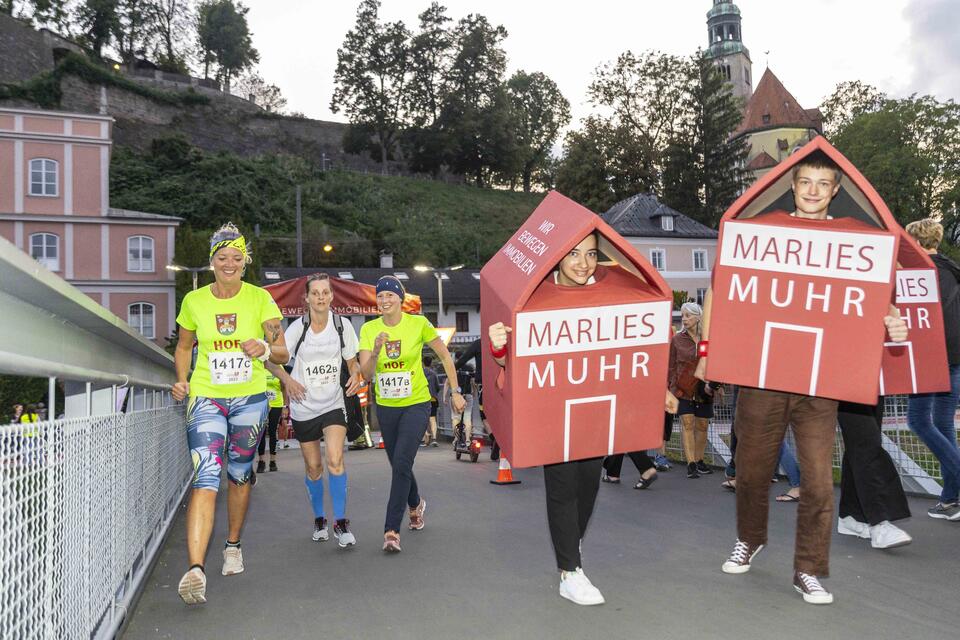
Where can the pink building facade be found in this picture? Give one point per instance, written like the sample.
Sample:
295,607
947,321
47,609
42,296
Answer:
55,206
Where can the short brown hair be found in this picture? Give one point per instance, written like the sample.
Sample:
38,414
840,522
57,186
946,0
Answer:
927,232
819,160
313,278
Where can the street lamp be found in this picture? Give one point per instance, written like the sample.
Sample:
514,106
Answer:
192,270
438,274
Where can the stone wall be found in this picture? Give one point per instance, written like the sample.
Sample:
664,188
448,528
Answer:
23,51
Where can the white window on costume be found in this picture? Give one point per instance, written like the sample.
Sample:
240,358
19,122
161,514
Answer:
45,249
140,316
658,258
43,177
140,254
699,260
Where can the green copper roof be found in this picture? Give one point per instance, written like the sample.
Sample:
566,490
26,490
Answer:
727,48
724,8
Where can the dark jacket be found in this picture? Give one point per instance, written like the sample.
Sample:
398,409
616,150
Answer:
948,273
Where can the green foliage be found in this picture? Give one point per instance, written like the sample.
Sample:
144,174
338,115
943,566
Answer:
418,220
224,38
679,299
539,113
15,389
99,20
44,88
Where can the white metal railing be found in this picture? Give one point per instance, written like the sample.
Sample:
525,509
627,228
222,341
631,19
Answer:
84,505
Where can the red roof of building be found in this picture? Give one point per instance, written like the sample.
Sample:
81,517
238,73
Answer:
763,161
771,106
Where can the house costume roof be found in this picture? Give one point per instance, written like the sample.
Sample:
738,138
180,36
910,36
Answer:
640,215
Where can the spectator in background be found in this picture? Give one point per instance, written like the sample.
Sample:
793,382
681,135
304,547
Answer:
433,385
17,412
788,461
464,385
41,411
29,414
931,415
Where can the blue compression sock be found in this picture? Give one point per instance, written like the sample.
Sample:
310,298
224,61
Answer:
315,491
338,493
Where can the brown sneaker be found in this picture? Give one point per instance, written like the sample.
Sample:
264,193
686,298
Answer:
391,542
416,515
810,588
739,560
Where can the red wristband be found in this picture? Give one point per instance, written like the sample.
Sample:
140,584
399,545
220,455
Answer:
702,348
498,353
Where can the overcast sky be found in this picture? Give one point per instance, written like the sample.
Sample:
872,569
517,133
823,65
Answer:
900,46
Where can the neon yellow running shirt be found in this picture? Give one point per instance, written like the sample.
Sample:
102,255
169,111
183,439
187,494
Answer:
221,326
399,379
274,390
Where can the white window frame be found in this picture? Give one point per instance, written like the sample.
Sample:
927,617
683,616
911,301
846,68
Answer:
140,264
662,254
50,262
701,252
666,223
143,306
49,171
701,296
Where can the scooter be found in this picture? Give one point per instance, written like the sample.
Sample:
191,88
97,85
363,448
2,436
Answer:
461,447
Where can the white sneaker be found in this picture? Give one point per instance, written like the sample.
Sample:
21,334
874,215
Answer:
887,536
320,533
849,526
193,587
232,561
576,587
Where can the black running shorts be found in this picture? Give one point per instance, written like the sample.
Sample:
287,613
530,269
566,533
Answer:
312,430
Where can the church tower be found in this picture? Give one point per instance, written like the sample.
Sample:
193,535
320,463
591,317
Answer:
725,46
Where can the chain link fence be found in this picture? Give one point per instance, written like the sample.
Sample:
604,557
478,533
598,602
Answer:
84,506
919,468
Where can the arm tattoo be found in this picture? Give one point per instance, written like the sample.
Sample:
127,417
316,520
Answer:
273,327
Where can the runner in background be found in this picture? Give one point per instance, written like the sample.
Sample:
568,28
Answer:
275,398
433,384
237,328
286,426
321,343
391,351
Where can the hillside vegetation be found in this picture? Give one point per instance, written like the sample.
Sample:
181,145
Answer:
420,221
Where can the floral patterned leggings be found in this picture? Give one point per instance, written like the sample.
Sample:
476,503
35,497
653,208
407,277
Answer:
215,424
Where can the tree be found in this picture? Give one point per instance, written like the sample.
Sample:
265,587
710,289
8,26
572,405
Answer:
266,96
703,167
172,22
98,20
430,57
848,101
476,114
371,76
54,14
583,172
133,28
539,113
224,38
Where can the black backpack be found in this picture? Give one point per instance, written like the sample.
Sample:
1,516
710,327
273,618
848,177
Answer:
351,404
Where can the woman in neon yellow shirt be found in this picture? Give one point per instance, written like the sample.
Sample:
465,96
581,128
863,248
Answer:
391,352
236,327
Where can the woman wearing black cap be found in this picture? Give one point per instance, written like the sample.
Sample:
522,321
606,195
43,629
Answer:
391,354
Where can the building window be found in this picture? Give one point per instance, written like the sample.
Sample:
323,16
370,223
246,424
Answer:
45,249
140,254
43,177
140,316
699,260
666,223
658,258
701,296
463,322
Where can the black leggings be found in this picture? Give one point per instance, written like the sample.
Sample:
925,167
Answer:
571,489
613,464
273,419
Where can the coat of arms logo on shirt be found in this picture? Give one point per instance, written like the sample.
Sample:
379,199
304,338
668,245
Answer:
226,323
393,349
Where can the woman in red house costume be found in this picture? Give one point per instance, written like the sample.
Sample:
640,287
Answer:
571,487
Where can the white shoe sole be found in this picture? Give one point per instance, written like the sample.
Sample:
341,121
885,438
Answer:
729,567
892,545
320,537
344,545
584,603
844,530
231,572
814,599
193,588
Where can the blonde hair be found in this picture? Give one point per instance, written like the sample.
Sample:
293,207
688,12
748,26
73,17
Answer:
229,231
927,232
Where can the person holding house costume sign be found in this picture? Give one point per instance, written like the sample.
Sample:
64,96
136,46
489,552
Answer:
391,353
577,348
834,251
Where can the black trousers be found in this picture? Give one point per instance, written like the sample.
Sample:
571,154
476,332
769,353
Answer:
870,487
571,489
613,464
273,419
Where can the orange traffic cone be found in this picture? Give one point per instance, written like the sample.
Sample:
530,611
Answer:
504,474
380,444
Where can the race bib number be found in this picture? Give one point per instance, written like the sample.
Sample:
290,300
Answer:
394,385
232,367
318,374
271,395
